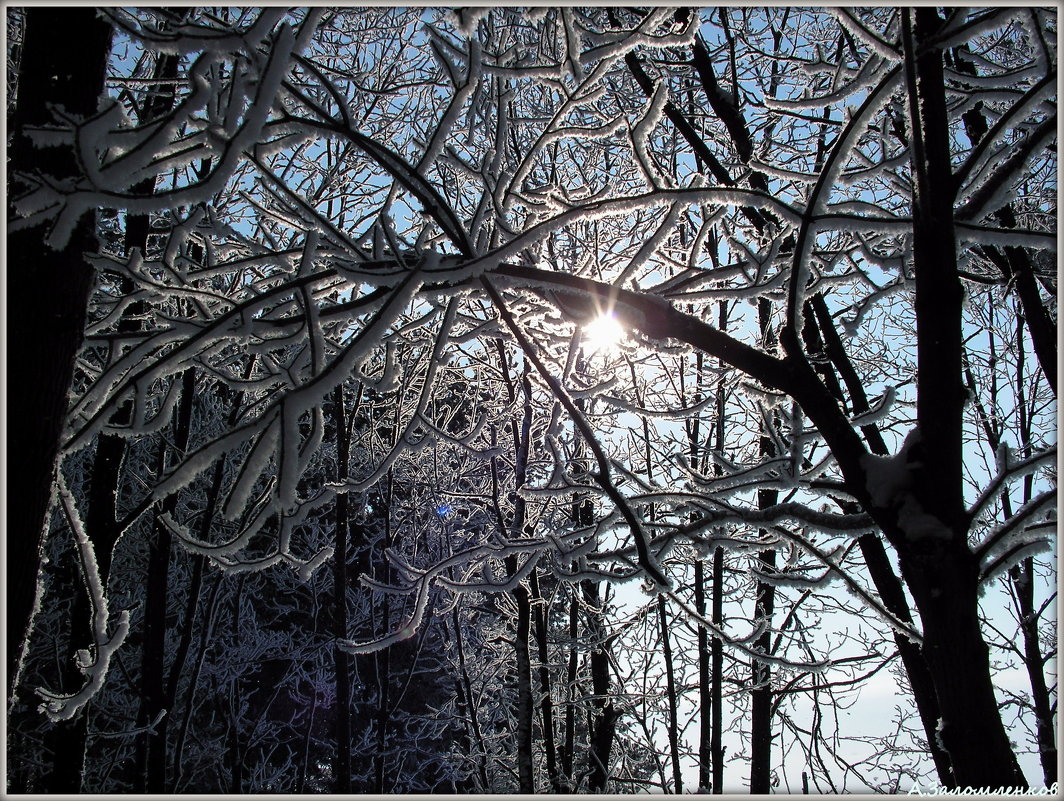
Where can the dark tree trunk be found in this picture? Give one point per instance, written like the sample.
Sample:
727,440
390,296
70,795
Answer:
382,659
822,336
1022,577
717,680
341,659
523,669
670,690
572,663
546,704
940,569
63,60
760,673
705,695
64,55
761,681
604,719
467,702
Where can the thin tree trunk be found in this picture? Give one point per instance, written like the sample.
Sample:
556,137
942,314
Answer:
605,714
670,689
572,690
1022,577
705,694
760,672
206,635
524,714
717,668
341,659
151,760
717,647
383,657
546,704
236,748
523,668
465,694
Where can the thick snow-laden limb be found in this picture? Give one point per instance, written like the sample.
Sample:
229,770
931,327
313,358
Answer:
464,94
642,131
657,18
167,352
1010,471
879,94
194,37
985,157
879,410
1002,536
1037,539
965,28
94,662
863,82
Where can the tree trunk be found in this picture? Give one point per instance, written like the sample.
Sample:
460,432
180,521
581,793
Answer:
546,704
523,668
717,668
705,695
572,693
761,681
466,700
64,56
944,584
604,719
670,690
341,659
760,673
1022,577
383,658
940,569
153,695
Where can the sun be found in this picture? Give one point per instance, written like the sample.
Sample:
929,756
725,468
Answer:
604,334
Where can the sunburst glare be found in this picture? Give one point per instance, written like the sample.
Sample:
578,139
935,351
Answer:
603,334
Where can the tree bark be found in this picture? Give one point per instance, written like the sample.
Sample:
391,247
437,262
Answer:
940,569
1022,577
705,695
571,679
153,694
605,714
670,690
523,668
760,672
341,659
64,56
546,704
821,327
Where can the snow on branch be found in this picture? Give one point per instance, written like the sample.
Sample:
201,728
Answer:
93,662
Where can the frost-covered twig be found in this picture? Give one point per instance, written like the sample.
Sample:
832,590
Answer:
92,662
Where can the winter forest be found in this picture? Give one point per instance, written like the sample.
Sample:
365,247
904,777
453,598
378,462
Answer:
556,400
